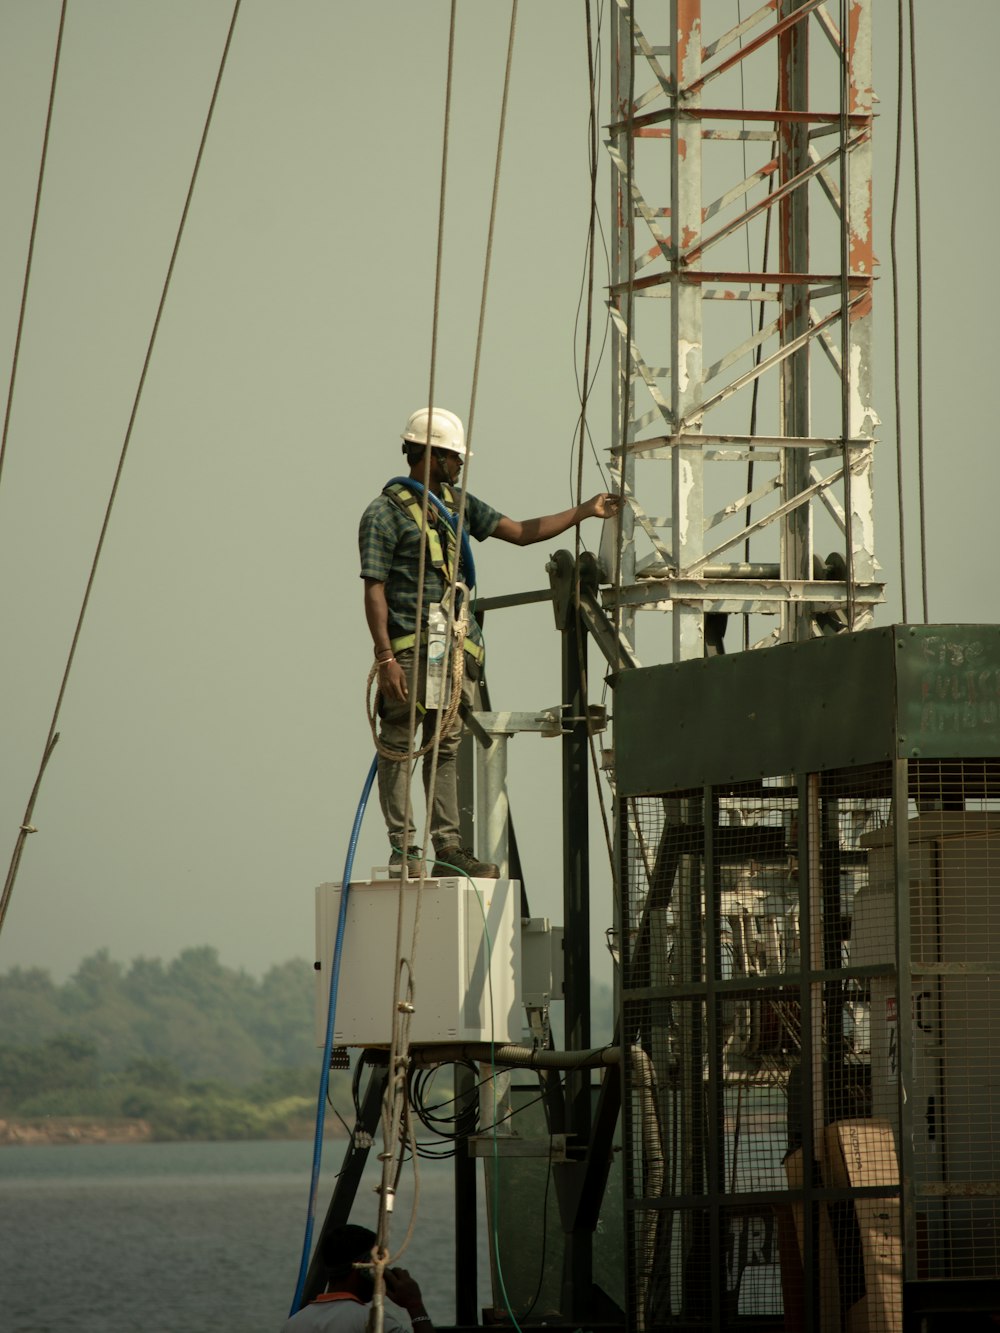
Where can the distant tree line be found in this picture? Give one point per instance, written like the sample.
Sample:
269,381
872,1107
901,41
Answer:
197,1049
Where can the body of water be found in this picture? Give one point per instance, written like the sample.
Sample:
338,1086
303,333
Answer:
187,1237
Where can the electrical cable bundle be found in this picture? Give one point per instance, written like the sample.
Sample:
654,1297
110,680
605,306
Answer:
446,1120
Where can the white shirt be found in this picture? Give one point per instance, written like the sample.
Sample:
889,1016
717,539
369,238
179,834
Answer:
346,1316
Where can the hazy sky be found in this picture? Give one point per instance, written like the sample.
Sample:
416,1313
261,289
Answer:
214,739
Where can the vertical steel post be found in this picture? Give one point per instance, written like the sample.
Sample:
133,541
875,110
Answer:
492,811
578,1274
349,1177
857,340
793,222
622,210
466,1210
687,479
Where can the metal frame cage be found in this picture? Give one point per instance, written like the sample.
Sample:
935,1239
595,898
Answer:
799,847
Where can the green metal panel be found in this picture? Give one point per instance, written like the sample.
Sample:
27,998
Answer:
931,691
948,689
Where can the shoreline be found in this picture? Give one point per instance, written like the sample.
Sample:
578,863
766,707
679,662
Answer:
72,1129
56,1130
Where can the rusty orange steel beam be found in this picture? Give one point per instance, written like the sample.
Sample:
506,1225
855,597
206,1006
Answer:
643,125
777,279
778,30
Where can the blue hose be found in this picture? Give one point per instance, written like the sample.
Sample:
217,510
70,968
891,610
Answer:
324,1077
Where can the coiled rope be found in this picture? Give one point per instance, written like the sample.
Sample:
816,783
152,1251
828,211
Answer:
446,716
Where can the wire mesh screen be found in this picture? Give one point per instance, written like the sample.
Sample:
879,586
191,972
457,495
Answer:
953,956
747,1012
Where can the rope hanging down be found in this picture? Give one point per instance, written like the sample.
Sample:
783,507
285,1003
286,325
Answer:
395,1107
461,537
394,1097
51,737
585,384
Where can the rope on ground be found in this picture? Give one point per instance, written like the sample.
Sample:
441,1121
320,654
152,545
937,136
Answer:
50,739
31,240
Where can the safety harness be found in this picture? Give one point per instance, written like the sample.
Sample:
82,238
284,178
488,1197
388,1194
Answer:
406,495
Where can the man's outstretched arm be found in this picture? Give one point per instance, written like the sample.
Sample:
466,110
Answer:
528,531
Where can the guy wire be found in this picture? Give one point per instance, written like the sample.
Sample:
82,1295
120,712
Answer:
31,240
52,733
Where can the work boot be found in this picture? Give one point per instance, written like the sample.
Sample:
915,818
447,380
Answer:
460,861
414,864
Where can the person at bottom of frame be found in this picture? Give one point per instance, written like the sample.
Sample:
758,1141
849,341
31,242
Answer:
345,1302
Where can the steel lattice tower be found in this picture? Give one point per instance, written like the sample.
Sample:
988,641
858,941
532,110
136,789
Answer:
741,301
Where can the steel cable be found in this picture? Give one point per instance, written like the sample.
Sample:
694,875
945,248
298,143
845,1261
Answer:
845,305
585,387
625,366
894,258
392,1103
31,242
919,282
487,264
402,1009
594,229
51,737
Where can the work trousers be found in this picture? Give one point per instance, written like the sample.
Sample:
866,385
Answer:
393,776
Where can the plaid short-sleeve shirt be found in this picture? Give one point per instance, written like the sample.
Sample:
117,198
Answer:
389,541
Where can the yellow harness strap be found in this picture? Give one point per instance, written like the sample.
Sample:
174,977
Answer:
442,559
475,650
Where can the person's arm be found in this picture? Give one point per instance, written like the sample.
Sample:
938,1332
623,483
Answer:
391,676
404,1291
527,531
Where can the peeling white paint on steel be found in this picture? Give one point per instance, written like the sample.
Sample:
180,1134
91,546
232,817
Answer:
861,419
685,420
688,358
687,485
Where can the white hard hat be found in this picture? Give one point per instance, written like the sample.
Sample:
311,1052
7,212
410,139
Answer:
447,431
